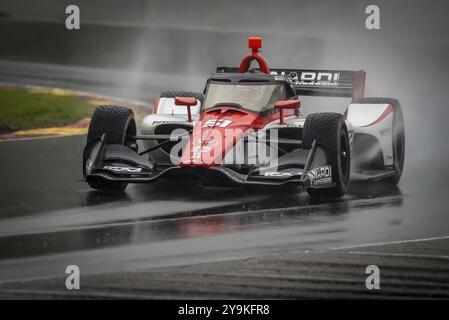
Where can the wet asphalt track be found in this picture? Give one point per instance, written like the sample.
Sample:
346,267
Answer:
55,220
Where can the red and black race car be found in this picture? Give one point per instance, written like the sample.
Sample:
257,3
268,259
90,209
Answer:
246,128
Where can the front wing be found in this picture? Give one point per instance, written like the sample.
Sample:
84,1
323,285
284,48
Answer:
308,168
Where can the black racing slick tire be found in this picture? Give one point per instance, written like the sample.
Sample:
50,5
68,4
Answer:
116,122
398,136
330,132
119,126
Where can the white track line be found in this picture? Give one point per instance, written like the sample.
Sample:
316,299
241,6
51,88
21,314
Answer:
404,255
387,243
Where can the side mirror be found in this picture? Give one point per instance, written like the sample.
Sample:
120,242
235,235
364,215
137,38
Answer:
188,102
286,104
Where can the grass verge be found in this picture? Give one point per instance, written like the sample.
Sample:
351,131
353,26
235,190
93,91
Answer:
23,109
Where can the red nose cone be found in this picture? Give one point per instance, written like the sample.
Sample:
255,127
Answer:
214,135
255,43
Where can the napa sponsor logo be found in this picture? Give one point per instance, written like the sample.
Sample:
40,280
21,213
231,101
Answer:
320,175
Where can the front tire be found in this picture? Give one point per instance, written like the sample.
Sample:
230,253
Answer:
116,122
119,126
330,132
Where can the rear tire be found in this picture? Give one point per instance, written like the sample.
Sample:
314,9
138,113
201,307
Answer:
119,126
330,132
398,135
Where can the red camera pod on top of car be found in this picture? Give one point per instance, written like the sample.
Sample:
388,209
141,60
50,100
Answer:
254,43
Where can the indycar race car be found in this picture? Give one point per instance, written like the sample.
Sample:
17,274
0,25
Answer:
246,128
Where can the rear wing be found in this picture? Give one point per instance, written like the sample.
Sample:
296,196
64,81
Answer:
325,83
